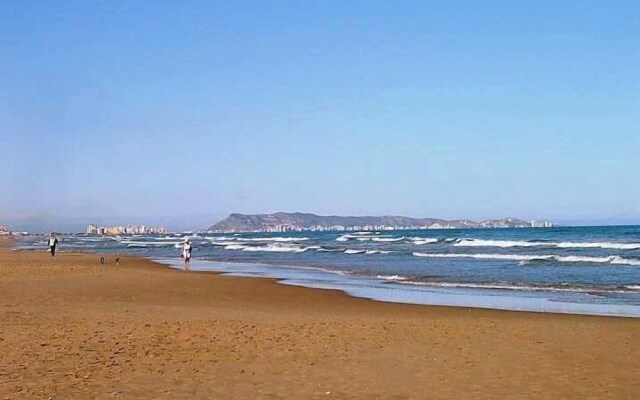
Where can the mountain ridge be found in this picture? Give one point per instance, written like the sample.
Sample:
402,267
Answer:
298,221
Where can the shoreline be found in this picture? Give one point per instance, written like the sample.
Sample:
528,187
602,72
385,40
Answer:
74,328
579,281
377,289
154,263
525,300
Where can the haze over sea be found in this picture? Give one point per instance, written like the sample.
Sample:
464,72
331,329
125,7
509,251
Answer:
592,270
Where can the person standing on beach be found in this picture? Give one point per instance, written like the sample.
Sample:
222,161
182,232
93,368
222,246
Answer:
53,242
186,253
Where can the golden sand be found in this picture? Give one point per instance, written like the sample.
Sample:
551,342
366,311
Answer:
73,329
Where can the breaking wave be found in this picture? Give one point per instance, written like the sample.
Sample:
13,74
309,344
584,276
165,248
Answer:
354,251
235,247
275,239
362,237
616,260
562,245
364,251
384,239
226,243
141,244
271,248
421,241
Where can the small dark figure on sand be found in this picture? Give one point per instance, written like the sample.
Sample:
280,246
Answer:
53,242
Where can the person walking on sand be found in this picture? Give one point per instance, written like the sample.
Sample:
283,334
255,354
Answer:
186,253
53,242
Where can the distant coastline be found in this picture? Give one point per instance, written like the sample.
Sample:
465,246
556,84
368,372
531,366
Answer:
93,229
299,222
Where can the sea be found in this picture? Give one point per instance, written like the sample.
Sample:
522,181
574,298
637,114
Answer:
577,270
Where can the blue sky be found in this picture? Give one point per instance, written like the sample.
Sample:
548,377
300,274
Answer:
175,113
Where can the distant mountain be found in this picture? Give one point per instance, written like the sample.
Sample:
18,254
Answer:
282,222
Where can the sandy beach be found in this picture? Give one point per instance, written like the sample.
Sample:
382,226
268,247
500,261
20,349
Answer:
73,329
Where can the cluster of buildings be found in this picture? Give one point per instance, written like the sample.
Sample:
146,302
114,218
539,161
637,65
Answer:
339,228
4,230
124,230
507,223
541,224
296,222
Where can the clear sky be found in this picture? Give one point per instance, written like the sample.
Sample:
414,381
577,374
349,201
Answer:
178,112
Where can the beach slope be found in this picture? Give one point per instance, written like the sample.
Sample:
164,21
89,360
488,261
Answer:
72,328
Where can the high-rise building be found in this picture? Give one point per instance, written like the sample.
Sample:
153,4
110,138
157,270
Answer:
124,230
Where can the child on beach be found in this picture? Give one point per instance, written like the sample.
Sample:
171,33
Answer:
53,242
186,253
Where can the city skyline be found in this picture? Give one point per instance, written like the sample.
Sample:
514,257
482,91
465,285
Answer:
206,226
301,222
196,223
93,229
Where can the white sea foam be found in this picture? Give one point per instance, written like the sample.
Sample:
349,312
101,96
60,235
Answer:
149,244
507,286
378,239
575,259
226,243
496,243
510,257
224,238
562,245
364,251
276,239
397,278
386,239
271,248
603,245
624,261
359,236
617,260
134,243
353,251
235,247
421,241
472,285
277,249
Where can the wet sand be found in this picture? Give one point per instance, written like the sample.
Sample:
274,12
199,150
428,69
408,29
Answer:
73,329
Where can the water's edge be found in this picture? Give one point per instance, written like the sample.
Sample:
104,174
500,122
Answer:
380,290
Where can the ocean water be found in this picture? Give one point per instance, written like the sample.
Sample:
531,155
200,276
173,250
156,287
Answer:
587,270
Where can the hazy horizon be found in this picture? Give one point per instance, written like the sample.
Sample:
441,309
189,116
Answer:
195,223
166,114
